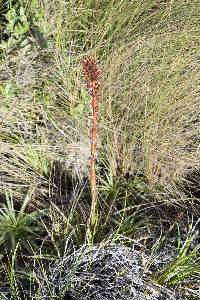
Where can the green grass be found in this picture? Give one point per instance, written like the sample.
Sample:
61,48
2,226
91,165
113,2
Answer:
18,228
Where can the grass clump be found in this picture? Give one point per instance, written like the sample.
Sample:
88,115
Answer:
18,229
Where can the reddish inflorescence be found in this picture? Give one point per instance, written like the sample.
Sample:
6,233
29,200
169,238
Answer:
91,71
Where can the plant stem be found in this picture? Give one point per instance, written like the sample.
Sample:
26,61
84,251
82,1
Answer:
93,181
91,73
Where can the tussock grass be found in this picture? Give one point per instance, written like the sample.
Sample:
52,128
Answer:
149,55
157,119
